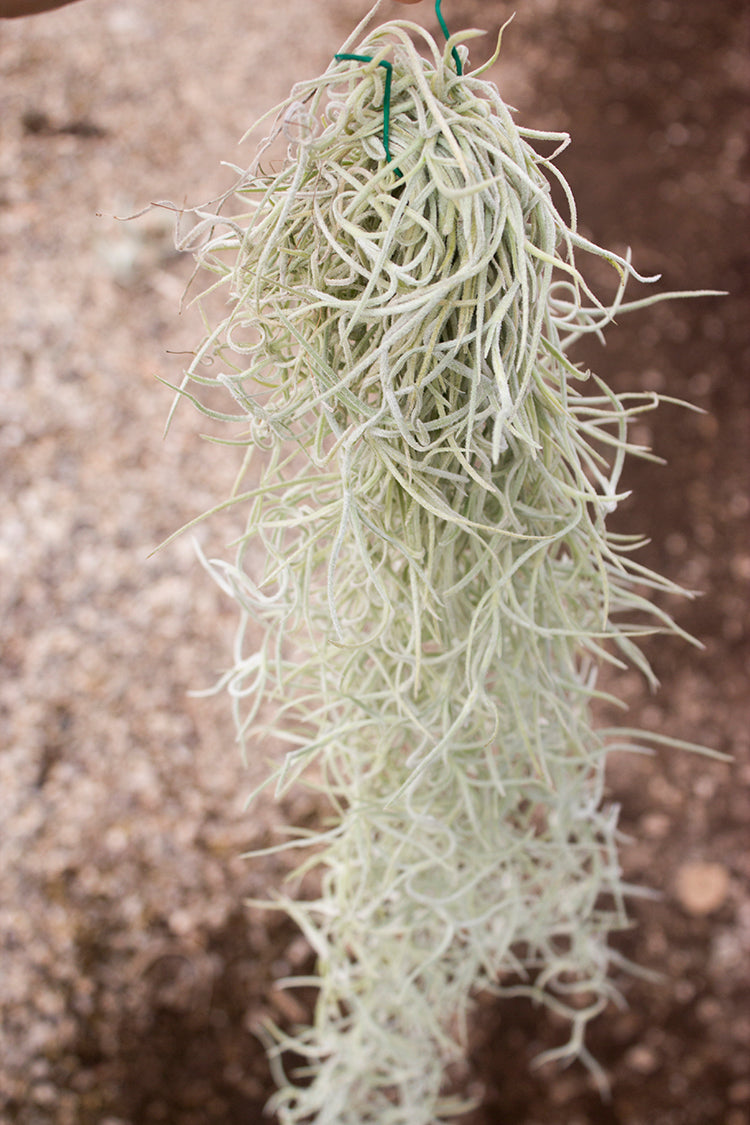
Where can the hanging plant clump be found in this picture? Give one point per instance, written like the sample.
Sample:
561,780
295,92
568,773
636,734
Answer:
426,560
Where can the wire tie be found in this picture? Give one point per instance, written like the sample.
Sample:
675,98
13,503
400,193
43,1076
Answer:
447,34
386,102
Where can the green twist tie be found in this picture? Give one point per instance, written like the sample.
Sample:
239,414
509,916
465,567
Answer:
386,101
389,79
447,34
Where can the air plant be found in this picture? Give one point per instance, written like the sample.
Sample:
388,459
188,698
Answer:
426,560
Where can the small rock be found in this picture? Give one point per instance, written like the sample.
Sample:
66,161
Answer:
44,1094
656,826
701,888
181,922
642,1059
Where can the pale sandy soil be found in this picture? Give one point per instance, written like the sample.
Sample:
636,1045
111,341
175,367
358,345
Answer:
130,973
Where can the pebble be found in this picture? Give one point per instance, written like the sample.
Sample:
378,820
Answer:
701,888
642,1059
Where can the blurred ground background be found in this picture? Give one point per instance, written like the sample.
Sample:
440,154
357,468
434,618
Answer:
131,975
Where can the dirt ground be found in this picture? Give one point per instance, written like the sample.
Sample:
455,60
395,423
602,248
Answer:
131,974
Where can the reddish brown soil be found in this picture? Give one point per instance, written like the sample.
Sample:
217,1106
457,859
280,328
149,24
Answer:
131,973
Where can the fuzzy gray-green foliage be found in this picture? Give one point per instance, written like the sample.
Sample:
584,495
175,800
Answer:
427,554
